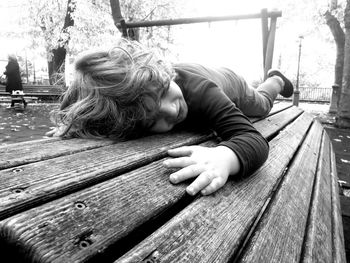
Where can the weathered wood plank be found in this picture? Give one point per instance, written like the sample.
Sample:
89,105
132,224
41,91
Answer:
318,242
55,231
337,230
211,228
44,149
279,236
277,107
277,122
59,230
37,150
38,182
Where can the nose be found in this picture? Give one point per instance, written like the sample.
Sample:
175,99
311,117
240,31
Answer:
168,109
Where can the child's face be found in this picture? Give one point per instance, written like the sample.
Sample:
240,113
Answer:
173,110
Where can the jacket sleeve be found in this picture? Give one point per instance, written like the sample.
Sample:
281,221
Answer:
234,128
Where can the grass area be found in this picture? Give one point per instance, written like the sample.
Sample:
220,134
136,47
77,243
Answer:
19,124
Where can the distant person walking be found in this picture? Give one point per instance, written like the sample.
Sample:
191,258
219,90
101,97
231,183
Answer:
13,78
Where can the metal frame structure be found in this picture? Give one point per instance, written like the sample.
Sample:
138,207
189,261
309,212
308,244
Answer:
268,27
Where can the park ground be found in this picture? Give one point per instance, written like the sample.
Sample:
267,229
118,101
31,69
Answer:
18,125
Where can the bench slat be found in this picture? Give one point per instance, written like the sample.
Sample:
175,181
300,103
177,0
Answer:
318,243
67,225
59,176
278,238
210,229
337,230
63,224
39,150
38,182
44,149
325,240
277,107
278,121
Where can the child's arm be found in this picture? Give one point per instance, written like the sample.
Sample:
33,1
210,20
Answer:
242,145
211,166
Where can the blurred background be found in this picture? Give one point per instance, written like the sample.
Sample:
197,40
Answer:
33,29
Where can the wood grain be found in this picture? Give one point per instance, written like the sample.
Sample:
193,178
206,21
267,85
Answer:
39,182
53,232
280,233
211,229
38,150
337,226
318,241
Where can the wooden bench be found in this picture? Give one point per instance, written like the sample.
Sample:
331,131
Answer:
43,92
28,99
81,200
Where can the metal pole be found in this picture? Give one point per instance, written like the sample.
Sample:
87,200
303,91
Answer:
180,21
296,91
27,67
34,76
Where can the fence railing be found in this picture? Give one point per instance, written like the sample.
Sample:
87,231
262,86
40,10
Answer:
314,94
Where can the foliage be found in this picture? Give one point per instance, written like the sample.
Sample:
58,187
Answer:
139,10
94,25
41,23
46,18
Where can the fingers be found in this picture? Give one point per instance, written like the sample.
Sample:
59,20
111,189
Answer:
179,162
206,182
215,185
186,173
50,133
181,151
201,182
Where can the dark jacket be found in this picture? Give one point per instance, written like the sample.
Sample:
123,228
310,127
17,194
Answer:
209,105
13,76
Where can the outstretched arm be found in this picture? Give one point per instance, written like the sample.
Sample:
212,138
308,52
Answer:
211,166
242,149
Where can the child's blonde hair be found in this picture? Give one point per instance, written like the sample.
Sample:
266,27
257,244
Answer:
114,92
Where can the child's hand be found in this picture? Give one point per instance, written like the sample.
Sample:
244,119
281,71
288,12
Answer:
55,132
211,165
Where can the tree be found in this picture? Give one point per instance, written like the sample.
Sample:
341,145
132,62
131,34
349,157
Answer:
342,63
339,38
343,115
56,64
71,26
55,19
332,16
140,10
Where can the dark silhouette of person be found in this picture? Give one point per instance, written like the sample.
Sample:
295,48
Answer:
13,79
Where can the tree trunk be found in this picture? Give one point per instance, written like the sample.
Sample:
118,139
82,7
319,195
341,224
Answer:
119,21
339,39
343,115
56,65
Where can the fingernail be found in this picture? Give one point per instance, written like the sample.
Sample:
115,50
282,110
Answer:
191,191
173,178
166,163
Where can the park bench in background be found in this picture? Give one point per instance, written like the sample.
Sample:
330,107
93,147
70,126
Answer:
78,200
41,92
